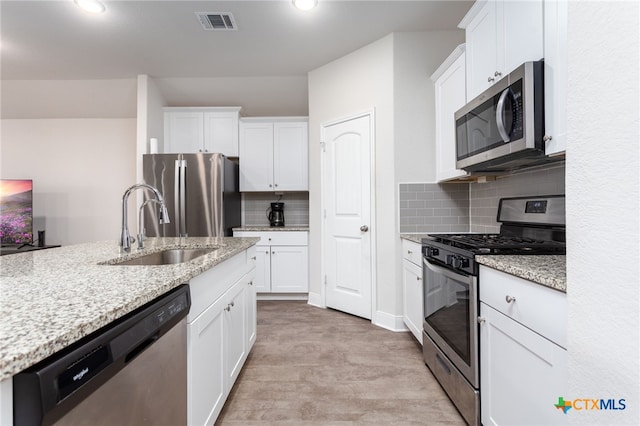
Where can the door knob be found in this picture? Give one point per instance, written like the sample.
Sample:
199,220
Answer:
364,228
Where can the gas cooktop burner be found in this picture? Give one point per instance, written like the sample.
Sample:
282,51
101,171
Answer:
498,243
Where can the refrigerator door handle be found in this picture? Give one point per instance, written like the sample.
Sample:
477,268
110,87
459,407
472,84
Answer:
182,198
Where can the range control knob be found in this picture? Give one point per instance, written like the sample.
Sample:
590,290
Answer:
432,251
458,262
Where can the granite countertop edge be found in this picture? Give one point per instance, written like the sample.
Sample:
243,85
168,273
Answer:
416,238
53,298
546,270
265,228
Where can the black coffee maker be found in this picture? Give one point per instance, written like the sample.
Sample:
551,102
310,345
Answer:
275,213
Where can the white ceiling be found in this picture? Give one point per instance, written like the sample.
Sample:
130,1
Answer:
54,40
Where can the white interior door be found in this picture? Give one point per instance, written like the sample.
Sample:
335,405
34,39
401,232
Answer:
347,215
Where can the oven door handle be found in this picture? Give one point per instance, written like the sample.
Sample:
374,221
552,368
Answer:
446,272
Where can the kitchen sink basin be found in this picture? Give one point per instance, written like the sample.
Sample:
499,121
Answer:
168,257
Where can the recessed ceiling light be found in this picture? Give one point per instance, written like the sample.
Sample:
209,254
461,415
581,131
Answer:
305,4
91,6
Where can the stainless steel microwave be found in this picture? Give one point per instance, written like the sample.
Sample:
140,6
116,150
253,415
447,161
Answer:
503,128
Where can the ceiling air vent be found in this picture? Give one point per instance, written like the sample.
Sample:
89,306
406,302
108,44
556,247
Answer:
217,21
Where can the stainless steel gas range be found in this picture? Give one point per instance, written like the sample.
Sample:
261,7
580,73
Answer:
529,226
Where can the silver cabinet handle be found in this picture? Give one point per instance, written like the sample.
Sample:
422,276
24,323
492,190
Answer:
510,299
547,138
250,282
270,186
253,258
364,228
481,320
497,74
409,252
227,308
276,185
418,278
232,304
266,252
490,79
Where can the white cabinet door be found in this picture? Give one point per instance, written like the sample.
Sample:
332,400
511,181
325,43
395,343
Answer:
290,156
235,331
262,280
412,286
481,46
183,131
289,269
522,374
256,156
252,311
520,37
501,35
450,96
221,133
555,75
206,384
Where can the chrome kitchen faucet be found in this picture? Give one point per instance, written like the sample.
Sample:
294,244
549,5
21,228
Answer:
163,216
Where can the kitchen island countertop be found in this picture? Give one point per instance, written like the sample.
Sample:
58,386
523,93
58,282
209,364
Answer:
52,298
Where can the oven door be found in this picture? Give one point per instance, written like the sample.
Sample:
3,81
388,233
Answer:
451,313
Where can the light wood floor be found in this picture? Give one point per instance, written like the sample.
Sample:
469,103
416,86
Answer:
312,366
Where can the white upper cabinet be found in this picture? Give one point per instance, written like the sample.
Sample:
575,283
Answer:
500,36
450,94
274,154
190,130
555,76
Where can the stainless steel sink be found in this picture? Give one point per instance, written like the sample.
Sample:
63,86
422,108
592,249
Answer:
168,257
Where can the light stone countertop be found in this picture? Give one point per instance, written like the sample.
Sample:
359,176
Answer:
52,298
264,228
416,238
547,270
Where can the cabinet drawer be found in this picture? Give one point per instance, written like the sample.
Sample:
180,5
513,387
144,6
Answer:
412,252
537,307
277,238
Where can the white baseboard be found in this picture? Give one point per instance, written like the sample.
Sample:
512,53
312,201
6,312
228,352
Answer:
388,321
282,296
315,299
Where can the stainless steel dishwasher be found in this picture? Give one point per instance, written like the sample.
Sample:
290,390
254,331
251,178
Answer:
131,372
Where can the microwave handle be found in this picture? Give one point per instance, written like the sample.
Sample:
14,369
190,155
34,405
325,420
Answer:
500,116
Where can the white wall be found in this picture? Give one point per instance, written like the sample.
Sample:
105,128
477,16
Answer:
603,208
80,169
358,82
114,98
258,96
390,76
416,56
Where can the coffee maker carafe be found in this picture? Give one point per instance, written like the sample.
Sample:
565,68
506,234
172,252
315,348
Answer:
275,213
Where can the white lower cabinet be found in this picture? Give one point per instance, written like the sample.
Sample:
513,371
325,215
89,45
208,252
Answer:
282,261
412,287
220,335
523,368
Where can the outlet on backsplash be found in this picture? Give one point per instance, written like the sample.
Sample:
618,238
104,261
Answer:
255,205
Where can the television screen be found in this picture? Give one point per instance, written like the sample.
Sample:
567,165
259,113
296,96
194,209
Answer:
16,215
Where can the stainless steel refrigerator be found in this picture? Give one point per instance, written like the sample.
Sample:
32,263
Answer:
201,192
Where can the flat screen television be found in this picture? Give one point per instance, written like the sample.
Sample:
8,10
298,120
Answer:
16,211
